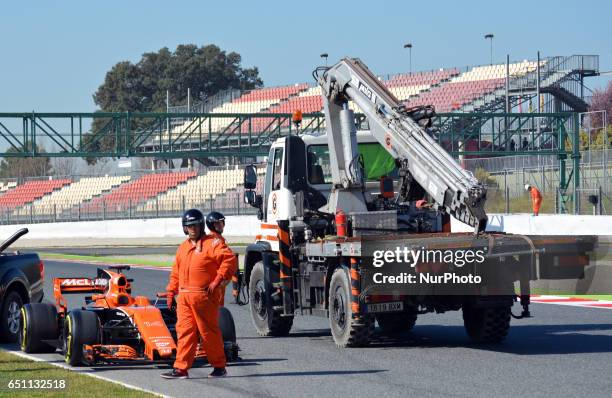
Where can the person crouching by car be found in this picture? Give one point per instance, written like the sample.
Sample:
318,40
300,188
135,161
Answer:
203,262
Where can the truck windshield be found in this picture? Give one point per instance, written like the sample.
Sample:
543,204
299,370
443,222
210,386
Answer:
376,160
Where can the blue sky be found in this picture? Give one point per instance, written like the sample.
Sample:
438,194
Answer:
54,54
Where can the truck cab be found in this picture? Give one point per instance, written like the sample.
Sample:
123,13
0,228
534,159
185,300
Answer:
282,166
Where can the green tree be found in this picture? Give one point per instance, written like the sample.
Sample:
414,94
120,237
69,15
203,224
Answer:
20,167
142,87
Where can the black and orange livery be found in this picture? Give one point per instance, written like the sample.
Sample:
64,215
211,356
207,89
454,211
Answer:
113,326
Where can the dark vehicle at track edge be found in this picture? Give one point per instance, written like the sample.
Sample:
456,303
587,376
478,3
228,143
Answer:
21,282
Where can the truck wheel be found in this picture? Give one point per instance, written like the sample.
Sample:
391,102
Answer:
11,307
38,322
267,321
80,327
348,329
486,325
396,322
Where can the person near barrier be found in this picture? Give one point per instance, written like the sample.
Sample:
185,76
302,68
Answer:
536,198
203,263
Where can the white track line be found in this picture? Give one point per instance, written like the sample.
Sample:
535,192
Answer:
63,366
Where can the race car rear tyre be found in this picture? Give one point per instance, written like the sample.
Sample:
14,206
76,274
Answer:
226,324
267,320
396,322
81,327
348,329
487,325
9,316
38,322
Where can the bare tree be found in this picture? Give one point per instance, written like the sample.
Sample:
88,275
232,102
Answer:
102,166
144,163
64,166
21,167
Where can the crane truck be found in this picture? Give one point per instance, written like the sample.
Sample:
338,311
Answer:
332,201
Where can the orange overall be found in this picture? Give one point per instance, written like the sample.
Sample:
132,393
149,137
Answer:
195,267
536,200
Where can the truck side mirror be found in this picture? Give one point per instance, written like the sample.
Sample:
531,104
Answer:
251,198
250,177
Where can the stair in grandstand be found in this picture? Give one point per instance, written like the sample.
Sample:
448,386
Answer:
577,103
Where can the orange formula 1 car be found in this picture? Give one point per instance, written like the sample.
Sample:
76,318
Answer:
112,327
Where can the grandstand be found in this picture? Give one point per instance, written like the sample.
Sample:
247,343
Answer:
29,191
484,89
253,115
471,89
81,191
254,101
195,191
5,186
133,192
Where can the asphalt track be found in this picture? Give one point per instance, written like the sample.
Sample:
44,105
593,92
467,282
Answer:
562,352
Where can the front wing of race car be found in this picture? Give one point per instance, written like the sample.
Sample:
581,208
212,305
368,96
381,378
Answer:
147,334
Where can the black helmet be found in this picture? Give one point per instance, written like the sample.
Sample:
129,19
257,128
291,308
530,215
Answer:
192,217
212,218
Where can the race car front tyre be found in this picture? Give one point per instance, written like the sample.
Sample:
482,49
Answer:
226,324
228,331
81,327
38,321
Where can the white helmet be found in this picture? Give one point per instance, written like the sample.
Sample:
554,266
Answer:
527,186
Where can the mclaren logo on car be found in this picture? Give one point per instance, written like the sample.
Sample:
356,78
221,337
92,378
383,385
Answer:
84,282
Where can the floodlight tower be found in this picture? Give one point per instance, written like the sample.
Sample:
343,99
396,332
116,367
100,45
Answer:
409,47
490,37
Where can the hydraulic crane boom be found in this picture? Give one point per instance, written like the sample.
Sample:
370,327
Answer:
420,159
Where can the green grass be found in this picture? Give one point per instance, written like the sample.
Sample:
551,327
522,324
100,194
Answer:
589,296
564,293
496,203
105,259
13,367
110,260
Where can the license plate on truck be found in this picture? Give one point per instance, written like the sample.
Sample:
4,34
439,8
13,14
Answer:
386,307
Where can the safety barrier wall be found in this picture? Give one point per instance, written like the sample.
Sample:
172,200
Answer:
553,224
249,226
135,228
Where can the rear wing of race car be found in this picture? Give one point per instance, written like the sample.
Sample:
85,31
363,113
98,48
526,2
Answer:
63,286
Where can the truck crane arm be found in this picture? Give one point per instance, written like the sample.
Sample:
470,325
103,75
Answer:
418,156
